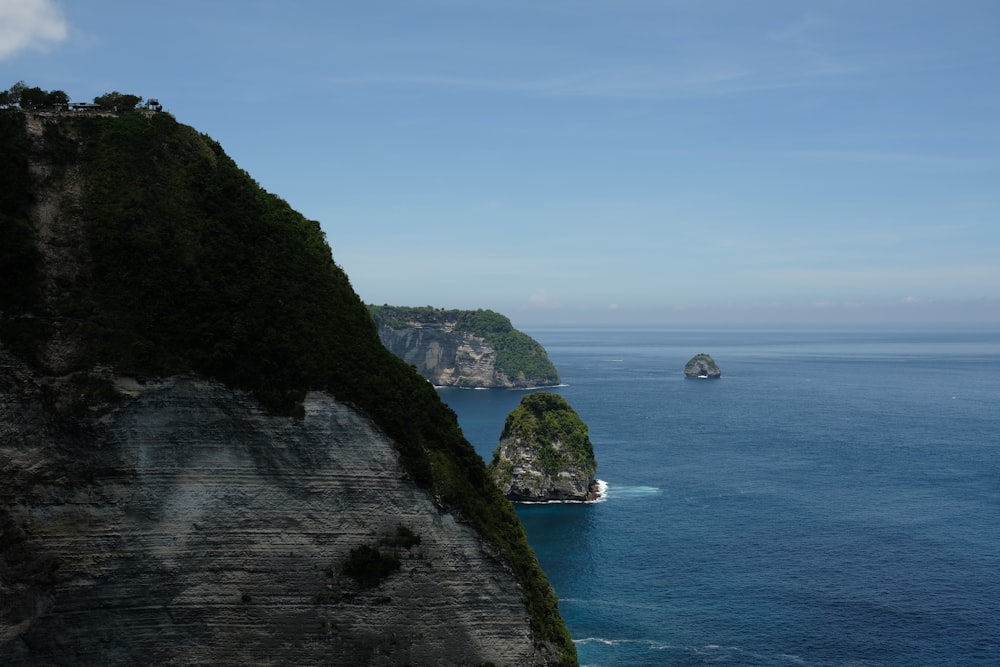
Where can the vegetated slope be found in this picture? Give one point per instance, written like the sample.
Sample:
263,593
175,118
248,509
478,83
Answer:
177,261
471,347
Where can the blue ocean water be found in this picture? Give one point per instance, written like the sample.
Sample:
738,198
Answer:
833,499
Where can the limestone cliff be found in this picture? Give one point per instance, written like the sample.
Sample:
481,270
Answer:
462,348
702,366
545,453
201,435
188,526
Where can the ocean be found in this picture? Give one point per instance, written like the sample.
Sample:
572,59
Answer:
833,499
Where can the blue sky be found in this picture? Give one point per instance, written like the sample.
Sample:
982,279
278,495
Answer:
669,162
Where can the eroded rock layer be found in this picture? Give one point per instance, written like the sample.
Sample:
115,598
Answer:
187,526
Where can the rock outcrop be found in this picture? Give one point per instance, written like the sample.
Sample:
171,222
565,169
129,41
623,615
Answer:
461,348
702,366
545,453
188,526
206,454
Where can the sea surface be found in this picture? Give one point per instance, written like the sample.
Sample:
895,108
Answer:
833,499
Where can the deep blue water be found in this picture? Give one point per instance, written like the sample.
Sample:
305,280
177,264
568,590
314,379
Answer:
833,499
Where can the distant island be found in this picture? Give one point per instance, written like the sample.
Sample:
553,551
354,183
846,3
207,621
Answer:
545,453
464,348
702,366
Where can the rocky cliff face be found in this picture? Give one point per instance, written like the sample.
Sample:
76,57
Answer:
442,347
188,526
446,357
545,454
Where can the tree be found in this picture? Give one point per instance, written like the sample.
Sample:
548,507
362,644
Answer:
12,96
58,98
34,98
115,101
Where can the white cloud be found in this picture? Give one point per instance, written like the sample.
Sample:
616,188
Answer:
540,297
29,24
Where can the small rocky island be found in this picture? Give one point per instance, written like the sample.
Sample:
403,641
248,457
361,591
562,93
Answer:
464,348
545,453
702,366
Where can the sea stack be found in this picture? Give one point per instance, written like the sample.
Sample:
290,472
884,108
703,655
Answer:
702,366
545,453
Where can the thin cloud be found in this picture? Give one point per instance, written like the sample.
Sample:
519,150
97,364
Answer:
28,24
802,39
932,279
623,82
913,159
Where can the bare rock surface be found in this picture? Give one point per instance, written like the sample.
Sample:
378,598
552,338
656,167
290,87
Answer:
447,358
186,526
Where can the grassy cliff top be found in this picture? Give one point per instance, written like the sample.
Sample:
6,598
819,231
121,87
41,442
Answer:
187,264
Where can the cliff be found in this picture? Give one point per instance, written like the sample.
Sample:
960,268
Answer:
702,366
207,452
464,348
545,453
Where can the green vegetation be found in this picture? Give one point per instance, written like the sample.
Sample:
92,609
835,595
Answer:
32,98
115,101
369,565
518,355
543,418
19,259
404,538
195,267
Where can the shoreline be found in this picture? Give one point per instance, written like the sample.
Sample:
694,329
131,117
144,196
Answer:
600,497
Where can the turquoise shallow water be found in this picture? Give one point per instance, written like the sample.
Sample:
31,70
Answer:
834,499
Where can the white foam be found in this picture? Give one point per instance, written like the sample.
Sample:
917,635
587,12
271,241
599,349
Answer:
602,495
631,491
602,491
648,643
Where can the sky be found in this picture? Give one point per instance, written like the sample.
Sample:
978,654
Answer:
617,162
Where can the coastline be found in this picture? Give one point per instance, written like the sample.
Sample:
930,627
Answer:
602,495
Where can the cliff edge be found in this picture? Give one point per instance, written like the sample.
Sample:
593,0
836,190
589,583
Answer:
464,348
207,454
